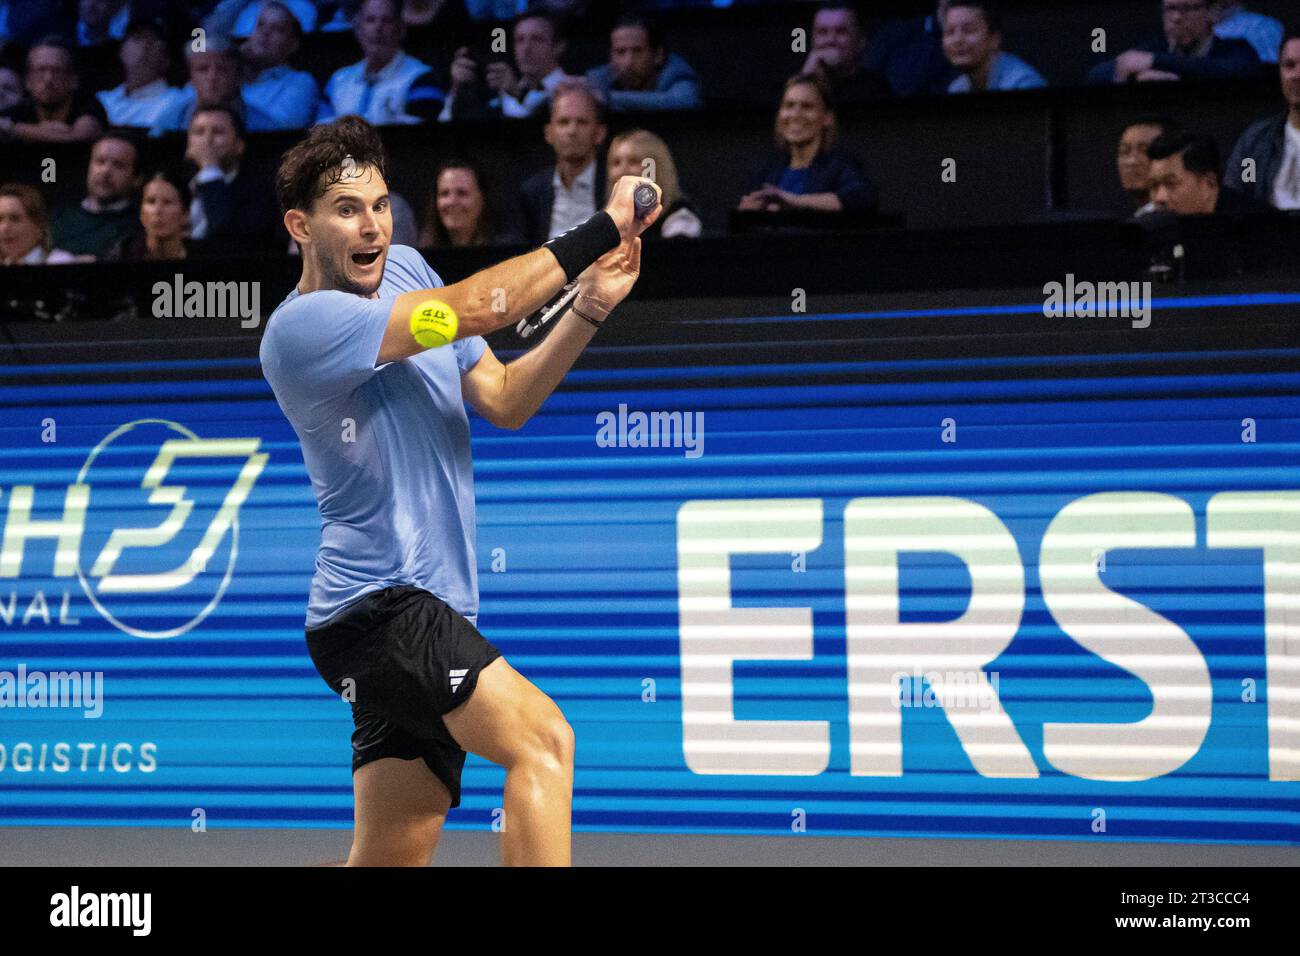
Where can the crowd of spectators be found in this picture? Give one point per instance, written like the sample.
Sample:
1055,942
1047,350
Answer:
113,73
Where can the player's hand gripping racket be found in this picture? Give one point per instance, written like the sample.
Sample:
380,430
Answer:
644,201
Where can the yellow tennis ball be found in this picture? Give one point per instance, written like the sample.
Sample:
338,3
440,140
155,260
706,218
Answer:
433,323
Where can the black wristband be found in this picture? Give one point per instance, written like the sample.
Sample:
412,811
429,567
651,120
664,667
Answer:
582,245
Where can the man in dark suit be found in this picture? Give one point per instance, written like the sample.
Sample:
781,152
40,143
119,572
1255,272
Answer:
233,210
559,197
1188,49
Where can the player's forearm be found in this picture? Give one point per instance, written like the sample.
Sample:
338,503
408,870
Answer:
488,300
531,378
503,294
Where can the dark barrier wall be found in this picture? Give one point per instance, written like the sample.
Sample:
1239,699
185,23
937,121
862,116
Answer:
930,565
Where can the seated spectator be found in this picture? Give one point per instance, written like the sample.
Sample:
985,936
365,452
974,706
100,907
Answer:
908,54
387,86
1185,179
25,229
1188,49
55,110
232,209
102,21
1273,143
11,90
459,212
642,74
972,42
562,196
808,172
214,81
493,88
143,96
107,214
837,55
287,96
238,18
639,152
164,219
1233,22
1131,161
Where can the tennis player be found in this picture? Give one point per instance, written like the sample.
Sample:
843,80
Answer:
372,358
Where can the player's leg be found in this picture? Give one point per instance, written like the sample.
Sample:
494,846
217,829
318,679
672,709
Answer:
510,722
400,810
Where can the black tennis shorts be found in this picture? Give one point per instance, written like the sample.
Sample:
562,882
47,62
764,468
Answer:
410,659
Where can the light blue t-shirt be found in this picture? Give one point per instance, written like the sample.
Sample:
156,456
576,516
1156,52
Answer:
387,448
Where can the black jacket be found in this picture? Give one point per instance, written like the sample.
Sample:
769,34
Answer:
1265,143
1223,59
536,200
242,215
831,171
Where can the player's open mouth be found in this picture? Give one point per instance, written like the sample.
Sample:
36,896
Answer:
365,258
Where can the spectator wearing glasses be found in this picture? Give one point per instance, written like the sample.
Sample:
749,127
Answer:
56,111
1188,49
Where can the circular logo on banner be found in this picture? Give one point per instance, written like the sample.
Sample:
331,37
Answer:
164,532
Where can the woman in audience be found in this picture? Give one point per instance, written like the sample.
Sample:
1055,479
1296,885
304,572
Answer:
459,213
25,229
164,219
628,155
808,172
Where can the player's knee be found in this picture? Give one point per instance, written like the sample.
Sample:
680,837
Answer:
552,739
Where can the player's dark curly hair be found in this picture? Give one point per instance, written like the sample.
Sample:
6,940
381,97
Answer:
321,160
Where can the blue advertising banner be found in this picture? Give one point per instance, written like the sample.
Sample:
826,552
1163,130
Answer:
1017,595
